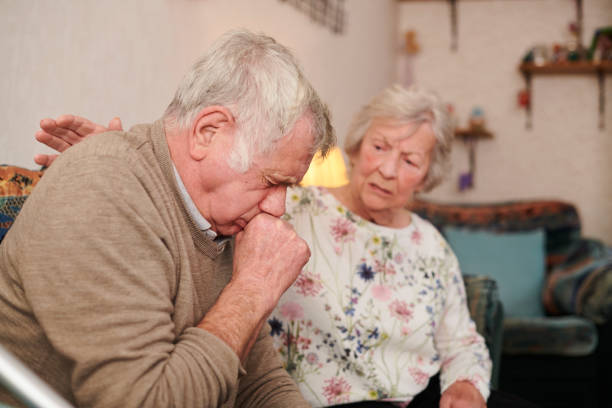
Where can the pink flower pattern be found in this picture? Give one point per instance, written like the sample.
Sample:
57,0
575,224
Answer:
385,268
381,292
312,358
343,230
416,237
336,390
303,343
292,311
419,376
399,309
308,284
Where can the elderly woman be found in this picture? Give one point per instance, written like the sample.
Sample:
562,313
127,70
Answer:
380,308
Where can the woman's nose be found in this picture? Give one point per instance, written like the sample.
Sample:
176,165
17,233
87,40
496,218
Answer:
388,166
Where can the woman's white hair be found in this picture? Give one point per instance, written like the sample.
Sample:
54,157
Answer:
261,83
408,105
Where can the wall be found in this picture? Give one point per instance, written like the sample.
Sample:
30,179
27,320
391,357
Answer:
564,155
125,57
99,59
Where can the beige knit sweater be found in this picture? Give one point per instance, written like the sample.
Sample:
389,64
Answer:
104,276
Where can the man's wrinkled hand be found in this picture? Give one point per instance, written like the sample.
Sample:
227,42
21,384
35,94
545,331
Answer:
268,258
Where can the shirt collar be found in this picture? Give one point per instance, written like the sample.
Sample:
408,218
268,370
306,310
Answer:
195,214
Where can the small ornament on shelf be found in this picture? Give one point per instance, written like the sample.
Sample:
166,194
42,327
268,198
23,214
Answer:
466,181
560,53
601,45
411,46
477,118
523,99
538,55
476,131
408,49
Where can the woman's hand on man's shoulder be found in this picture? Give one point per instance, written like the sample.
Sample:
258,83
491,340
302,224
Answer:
65,131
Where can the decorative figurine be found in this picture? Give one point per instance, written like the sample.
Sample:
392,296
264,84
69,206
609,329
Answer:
475,132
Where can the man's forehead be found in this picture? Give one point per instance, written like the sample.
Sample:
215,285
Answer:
291,155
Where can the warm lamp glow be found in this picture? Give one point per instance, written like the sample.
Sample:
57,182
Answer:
328,172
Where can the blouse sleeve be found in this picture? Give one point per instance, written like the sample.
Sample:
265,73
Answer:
463,352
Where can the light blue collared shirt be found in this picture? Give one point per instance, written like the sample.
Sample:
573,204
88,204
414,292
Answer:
197,217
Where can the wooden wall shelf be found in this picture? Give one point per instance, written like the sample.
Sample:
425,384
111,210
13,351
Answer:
561,68
600,69
474,133
577,67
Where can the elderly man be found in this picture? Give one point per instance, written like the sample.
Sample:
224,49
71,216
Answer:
138,302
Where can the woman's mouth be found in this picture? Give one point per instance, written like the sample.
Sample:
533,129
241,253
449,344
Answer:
379,189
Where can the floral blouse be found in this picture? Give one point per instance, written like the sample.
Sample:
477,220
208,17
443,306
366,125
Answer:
376,311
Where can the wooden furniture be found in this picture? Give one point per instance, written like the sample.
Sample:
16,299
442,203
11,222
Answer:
567,68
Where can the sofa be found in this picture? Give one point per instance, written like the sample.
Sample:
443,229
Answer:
556,289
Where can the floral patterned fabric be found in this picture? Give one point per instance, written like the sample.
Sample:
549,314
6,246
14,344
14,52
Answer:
376,312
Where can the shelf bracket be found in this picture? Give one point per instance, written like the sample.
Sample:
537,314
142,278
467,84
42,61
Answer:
453,16
528,113
601,79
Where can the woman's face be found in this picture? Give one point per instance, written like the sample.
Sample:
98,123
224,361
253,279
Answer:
391,163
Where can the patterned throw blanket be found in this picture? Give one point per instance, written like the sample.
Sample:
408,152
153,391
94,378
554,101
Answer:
15,185
582,284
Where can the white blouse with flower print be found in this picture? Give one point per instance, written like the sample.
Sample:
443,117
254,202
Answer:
376,311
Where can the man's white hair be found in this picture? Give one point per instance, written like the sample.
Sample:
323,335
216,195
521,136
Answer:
261,83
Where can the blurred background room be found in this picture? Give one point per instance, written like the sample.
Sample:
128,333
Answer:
527,81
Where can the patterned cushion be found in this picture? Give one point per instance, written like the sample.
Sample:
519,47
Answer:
16,184
567,335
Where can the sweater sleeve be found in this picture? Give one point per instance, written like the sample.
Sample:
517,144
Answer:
463,352
99,272
266,383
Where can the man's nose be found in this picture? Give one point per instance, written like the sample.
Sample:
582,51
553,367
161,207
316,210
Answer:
274,202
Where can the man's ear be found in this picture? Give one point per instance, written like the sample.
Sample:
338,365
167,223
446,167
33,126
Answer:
211,122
